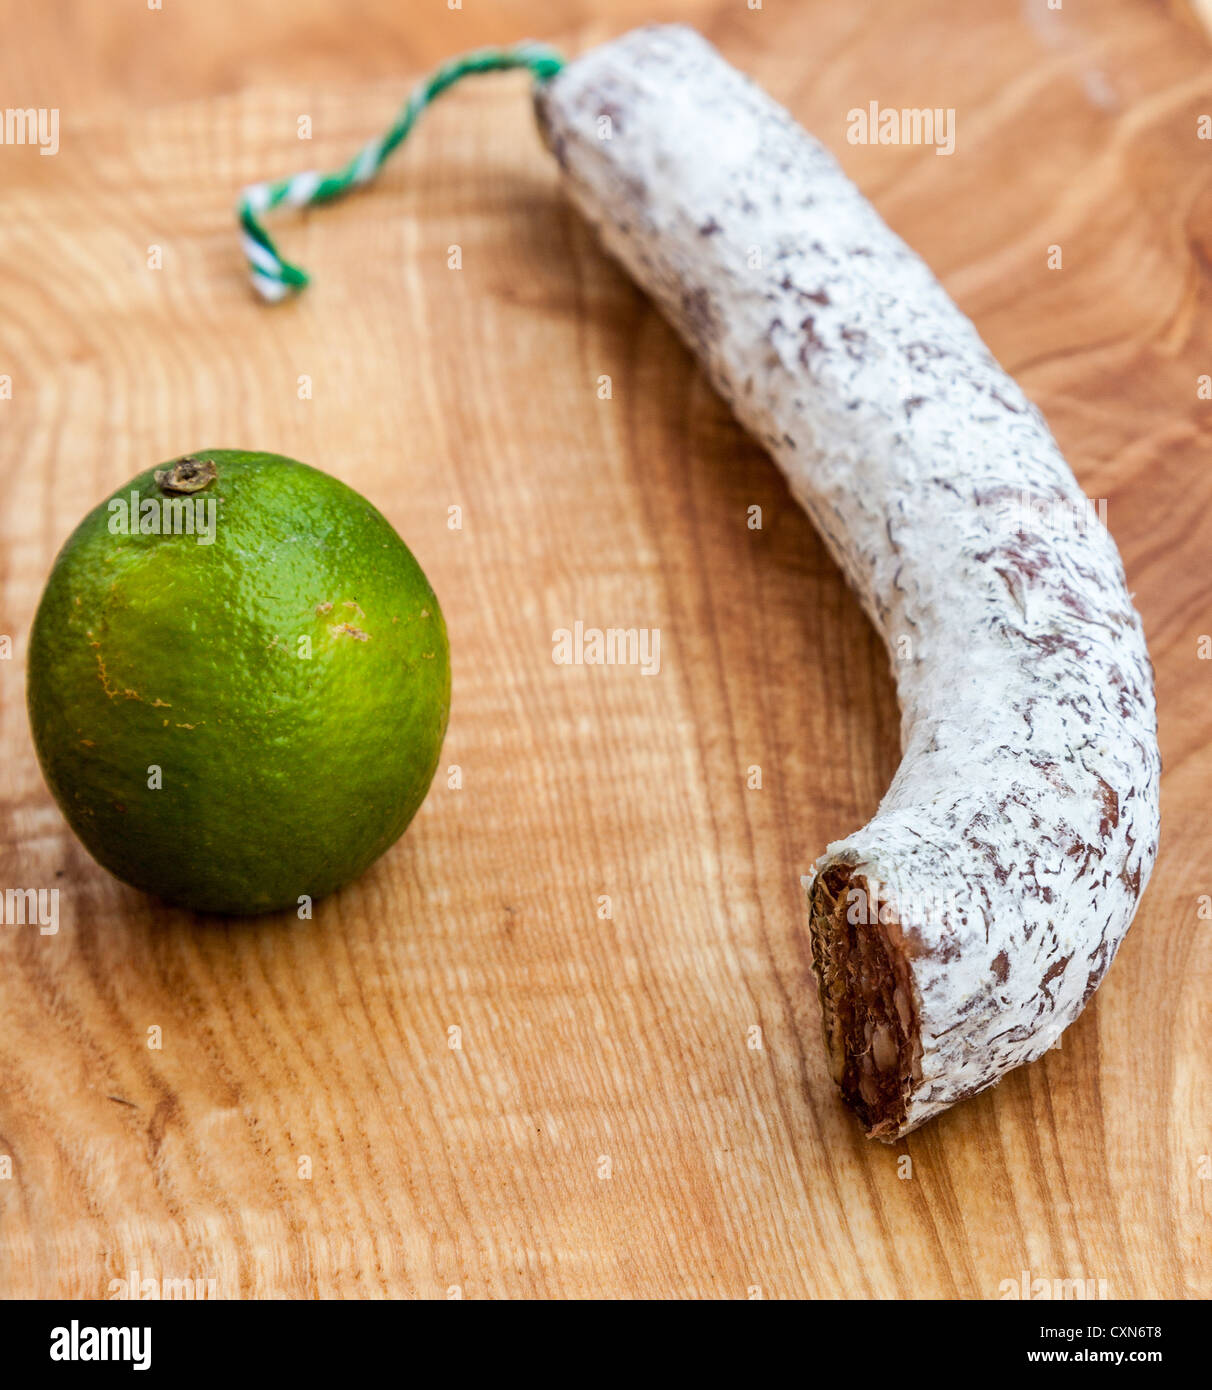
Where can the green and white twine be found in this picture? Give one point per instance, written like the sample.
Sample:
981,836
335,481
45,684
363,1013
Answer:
273,277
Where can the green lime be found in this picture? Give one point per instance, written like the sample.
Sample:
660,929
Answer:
238,682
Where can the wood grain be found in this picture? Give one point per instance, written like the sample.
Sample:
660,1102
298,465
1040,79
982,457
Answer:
607,1127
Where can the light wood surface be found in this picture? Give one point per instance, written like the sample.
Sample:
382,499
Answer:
607,1127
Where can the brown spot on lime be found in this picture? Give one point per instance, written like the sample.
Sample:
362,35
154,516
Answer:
350,631
87,743
102,674
323,607
186,475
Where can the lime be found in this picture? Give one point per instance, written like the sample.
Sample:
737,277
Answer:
238,682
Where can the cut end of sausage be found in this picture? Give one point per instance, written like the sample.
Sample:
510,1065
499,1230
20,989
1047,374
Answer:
867,999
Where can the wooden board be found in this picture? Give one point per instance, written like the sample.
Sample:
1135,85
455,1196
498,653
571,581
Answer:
609,1125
